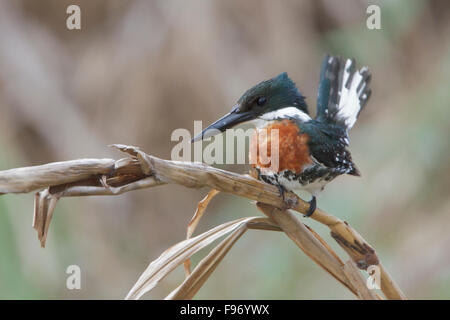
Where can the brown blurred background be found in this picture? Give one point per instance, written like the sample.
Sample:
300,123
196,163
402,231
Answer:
137,70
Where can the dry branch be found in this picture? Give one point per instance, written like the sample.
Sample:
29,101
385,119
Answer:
359,282
111,177
28,179
308,242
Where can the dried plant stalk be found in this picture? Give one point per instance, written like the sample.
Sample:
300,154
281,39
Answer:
28,179
195,281
363,254
207,265
177,254
201,207
308,242
44,205
355,277
192,225
109,177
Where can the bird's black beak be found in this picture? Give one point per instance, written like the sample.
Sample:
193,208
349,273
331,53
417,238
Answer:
229,120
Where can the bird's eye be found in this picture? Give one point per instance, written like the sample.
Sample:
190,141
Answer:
261,101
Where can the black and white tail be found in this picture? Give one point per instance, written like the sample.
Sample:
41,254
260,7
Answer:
343,91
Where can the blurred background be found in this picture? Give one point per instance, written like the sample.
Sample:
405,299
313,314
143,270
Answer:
137,70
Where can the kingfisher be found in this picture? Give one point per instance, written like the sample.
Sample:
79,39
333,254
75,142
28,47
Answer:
311,151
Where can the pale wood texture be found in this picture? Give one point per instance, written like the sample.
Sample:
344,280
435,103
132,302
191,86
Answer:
85,177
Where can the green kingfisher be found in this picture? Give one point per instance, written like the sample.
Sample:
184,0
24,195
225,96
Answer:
311,152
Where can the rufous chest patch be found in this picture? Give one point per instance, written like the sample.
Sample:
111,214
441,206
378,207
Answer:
292,148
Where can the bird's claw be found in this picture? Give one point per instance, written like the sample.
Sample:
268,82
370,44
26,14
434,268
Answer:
282,191
289,202
312,207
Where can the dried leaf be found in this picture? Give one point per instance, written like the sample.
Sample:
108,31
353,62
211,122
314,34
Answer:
201,207
192,225
177,254
44,206
203,270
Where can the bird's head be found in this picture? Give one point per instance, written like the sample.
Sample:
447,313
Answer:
265,97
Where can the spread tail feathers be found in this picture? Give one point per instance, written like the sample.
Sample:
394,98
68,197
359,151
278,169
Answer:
343,91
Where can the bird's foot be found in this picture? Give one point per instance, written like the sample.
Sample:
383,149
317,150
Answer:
312,207
289,202
282,191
